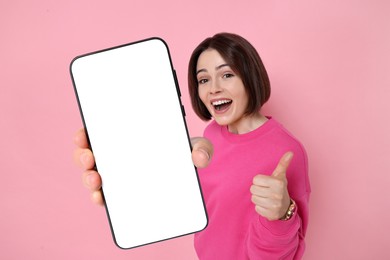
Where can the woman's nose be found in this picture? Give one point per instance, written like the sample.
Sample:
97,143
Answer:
215,87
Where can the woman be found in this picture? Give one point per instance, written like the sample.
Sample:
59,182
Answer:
256,185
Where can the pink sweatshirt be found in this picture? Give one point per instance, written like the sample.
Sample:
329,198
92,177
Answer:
235,231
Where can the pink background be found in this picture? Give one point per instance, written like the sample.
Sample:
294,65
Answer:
329,63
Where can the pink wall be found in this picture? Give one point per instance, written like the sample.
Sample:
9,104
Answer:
329,63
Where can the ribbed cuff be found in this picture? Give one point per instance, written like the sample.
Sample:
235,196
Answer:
280,227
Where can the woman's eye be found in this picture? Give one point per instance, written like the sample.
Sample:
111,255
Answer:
228,75
202,81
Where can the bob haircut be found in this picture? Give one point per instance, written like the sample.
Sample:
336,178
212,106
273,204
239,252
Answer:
244,60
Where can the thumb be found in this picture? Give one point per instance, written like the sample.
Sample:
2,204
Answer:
284,162
202,151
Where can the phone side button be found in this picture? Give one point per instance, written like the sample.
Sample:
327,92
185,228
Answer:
176,83
183,110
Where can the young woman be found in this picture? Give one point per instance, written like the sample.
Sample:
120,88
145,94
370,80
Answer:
256,186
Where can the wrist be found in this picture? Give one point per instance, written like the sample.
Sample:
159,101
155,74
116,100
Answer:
292,208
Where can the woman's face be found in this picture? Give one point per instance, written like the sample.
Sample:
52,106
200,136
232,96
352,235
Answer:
221,90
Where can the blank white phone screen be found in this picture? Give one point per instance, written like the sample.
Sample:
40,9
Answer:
132,112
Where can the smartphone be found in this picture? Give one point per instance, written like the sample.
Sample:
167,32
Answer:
129,100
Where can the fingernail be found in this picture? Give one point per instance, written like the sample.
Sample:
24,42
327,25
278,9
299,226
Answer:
206,154
289,156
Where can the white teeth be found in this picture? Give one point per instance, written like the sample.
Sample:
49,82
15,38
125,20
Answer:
220,102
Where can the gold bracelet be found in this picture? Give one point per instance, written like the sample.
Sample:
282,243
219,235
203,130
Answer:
291,210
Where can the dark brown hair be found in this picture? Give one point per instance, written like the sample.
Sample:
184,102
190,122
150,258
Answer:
243,59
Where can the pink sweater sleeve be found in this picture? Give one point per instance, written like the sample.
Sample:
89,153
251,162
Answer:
284,239
279,239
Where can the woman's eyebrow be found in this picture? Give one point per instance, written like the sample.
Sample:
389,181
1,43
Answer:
216,68
201,70
221,66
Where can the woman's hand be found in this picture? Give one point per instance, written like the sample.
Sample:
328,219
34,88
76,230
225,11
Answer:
202,151
270,194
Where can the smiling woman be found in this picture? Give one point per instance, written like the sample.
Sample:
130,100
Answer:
253,213
223,93
242,60
222,104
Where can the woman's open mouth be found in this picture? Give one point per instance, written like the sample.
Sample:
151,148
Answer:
221,105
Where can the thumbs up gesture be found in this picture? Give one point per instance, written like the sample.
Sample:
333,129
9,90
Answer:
269,193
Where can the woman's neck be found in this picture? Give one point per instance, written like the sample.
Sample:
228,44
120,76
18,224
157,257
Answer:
247,124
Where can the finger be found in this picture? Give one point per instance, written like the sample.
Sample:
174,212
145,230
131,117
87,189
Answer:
202,151
260,210
97,197
260,191
266,208
80,138
263,211
264,203
266,213
269,201
261,180
92,180
284,162
84,158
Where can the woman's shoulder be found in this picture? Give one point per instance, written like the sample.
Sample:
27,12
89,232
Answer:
284,137
283,131
212,127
